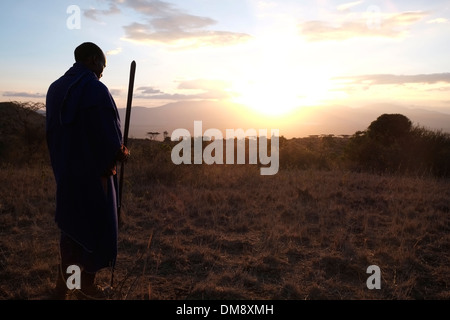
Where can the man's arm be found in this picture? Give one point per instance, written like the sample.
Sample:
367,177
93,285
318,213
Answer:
104,129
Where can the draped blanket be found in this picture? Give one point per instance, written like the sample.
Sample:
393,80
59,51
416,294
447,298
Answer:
84,137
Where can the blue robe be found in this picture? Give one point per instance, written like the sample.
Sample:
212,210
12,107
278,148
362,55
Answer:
84,137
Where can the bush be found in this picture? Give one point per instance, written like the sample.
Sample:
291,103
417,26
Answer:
392,144
22,133
389,128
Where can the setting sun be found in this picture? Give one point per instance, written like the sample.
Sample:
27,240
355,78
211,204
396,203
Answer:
283,91
279,80
267,96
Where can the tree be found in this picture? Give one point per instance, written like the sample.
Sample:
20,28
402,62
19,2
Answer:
392,144
22,131
153,135
32,126
389,128
166,136
382,146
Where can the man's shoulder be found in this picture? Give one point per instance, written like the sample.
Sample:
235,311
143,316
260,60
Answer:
98,91
56,89
57,83
97,85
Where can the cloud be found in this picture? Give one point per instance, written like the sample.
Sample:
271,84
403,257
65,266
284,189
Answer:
361,25
182,39
23,94
440,89
114,52
199,89
203,84
149,7
148,90
94,13
392,79
115,92
348,6
164,23
184,97
438,21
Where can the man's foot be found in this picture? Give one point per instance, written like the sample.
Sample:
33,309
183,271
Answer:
92,292
60,290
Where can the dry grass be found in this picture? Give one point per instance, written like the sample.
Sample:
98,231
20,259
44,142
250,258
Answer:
225,232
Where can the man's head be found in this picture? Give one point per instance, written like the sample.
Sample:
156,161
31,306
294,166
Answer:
92,56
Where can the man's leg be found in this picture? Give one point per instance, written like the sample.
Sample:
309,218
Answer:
69,252
60,291
73,253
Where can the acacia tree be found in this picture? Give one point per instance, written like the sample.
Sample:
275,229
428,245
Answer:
31,128
389,128
380,146
153,135
392,144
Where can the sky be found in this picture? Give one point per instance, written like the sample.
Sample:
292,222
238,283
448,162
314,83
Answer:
275,57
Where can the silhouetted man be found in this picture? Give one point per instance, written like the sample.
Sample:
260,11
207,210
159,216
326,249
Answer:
85,142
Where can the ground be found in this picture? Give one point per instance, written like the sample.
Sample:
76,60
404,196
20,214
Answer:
226,232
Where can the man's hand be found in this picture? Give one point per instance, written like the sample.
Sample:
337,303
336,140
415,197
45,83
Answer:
123,154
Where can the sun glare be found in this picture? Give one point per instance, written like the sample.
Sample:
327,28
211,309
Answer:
275,81
266,96
282,92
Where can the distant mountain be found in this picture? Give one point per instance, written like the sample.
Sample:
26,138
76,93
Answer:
179,115
336,120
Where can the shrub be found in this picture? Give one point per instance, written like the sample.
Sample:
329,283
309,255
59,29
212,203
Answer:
392,144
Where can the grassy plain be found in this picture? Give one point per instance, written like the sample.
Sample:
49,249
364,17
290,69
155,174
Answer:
226,232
